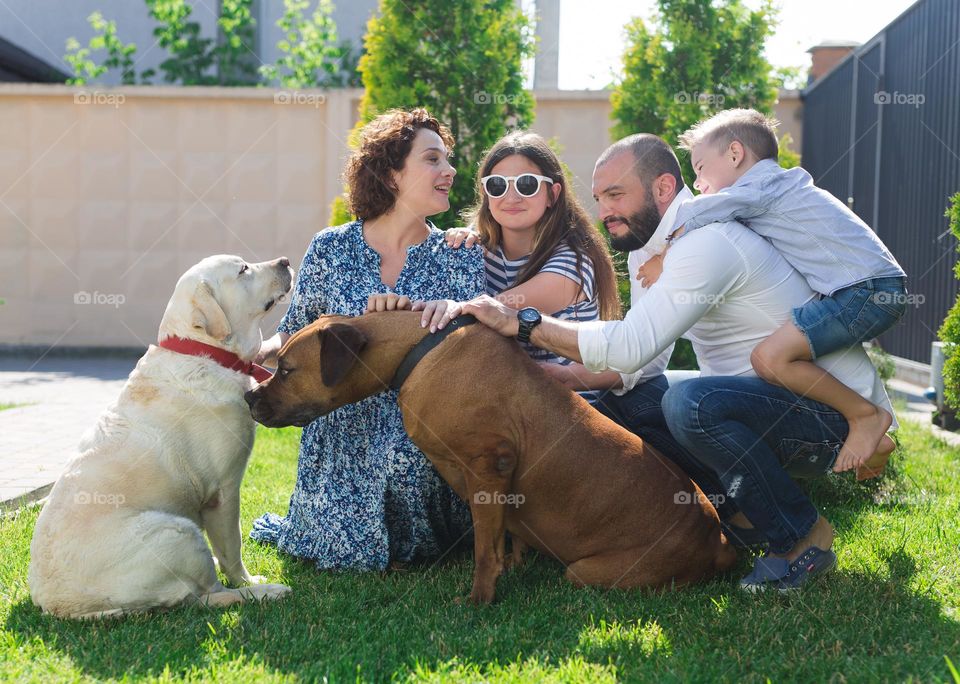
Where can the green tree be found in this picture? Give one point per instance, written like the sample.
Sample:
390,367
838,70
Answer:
789,157
463,62
950,330
192,58
119,54
310,56
695,58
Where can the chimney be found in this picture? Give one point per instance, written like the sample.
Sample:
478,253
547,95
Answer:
826,55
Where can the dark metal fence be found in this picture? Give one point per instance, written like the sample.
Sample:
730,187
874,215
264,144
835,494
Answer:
882,133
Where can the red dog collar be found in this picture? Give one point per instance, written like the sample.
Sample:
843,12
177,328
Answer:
225,358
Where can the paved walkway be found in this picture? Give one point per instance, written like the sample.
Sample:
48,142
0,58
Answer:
62,398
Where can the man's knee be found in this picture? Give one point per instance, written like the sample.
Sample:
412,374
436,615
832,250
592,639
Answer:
680,406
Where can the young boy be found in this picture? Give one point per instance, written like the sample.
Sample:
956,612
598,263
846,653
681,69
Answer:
861,285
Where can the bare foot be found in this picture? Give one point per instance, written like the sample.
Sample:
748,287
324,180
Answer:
875,465
820,535
863,440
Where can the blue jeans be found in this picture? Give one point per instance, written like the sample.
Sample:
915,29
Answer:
852,315
755,438
640,412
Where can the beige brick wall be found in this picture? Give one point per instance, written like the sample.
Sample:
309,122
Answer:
115,193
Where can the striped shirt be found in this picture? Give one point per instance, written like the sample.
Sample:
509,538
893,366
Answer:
502,275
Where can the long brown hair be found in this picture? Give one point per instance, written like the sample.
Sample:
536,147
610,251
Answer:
565,220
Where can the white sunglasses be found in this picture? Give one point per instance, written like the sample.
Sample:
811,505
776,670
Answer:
527,184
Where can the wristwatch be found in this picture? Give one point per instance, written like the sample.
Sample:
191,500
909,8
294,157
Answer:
529,319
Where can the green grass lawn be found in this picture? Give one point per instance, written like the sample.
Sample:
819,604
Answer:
888,613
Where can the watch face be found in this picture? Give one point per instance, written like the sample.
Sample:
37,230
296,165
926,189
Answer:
529,315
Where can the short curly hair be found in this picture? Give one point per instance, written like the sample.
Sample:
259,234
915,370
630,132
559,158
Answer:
384,145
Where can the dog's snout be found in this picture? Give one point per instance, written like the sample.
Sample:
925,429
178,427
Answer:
251,397
283,261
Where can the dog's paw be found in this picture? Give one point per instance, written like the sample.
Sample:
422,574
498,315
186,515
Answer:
481,595
265,592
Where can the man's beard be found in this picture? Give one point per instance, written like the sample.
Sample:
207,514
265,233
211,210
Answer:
641,226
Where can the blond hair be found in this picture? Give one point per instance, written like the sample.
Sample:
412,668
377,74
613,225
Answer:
753,130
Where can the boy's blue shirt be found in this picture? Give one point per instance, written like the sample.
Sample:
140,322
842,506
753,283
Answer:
820,237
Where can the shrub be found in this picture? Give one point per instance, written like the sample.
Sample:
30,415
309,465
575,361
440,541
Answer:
950,330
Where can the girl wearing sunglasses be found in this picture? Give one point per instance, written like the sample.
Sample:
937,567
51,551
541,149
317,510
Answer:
542,249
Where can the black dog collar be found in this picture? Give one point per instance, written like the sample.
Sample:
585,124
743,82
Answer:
425,346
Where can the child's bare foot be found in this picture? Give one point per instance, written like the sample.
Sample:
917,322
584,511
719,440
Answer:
863,439
875,465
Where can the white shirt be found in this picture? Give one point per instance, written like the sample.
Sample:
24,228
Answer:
724,288
635,259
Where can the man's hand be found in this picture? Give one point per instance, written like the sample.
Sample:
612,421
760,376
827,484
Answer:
387,302
491,313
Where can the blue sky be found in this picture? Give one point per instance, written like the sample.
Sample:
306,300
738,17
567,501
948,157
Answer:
591,32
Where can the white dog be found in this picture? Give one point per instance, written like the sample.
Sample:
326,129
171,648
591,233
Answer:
123,527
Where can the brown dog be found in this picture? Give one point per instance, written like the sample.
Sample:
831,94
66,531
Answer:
529,456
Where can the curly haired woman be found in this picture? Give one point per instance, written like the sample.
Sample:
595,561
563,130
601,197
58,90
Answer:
365,496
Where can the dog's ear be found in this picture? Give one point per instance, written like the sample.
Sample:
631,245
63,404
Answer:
340,344
207,313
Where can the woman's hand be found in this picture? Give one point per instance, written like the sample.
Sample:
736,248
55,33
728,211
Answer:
461,236
436,313
388,302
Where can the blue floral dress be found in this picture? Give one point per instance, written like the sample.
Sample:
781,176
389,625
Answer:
365,495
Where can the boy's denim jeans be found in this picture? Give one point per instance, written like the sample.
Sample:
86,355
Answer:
754,438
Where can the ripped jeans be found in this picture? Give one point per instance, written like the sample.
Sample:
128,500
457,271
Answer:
755,439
